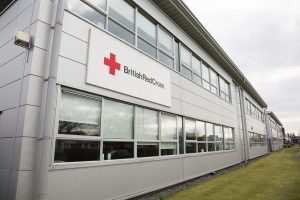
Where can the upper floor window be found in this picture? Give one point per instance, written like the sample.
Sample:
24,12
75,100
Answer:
98,3
166,48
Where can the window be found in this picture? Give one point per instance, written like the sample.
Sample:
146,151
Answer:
147,132
87,12
224,90
177,59
117,150
146,32
218,137
229,141
180,135
210,137
186,62
205,76
166,48
98,3
79,129
190,132
117,120
214,82
196,70
121,21
201,136
168,134
257,140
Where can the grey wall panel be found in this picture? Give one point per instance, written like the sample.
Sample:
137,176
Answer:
26,148
40,34
24,185
29,121
10,95
9,51
6,152
31,90
42,11
8,123
12,71
4,180
112,181
255,152
36,63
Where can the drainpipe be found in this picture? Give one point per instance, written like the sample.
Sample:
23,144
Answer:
244,124
48,104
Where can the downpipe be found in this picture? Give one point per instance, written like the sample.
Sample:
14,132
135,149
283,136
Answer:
48,104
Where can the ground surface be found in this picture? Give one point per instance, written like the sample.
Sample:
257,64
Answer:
273,177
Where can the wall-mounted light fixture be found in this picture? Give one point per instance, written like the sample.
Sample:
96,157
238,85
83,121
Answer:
22,39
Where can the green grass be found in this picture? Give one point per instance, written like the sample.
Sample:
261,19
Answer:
273,177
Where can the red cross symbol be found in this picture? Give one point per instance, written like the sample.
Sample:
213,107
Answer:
112,64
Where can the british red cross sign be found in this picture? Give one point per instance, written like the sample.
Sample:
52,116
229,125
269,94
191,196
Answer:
112,64
116,66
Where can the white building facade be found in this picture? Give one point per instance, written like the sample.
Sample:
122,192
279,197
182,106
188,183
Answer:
114,99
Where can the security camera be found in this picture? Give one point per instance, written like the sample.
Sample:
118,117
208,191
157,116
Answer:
22,39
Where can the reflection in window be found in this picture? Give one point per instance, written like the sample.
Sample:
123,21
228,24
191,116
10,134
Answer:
180,134
117,120
186,56
120,31
98,3
74,151
147,149
86,12
122,13
205,76
201,147
200,128
168,148
168,127
196,65
79,115
186,72
147,124
191,147
190,129
146,47
117,150
165,41
210,132
146,29
164,58
218,133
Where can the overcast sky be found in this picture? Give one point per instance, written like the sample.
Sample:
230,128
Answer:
262,37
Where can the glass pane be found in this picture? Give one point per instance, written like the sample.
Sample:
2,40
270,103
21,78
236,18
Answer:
197,79
168,127
146,29
201,147
206,85
186,56
117,120
74,151
213,89
165,41
147,124
222,84
196,65
211,146
146,47
213,78
191,148
205,72
177,62
180,134
165,59
86,12
200,129
122,12
210,132
219,146
147,149
186,72
79,115
117,150
168,148
227,146
120,32
99,3
190,129
218,133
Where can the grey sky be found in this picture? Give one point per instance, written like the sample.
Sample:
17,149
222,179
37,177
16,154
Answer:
263,39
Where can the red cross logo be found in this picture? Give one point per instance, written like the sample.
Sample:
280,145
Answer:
112,64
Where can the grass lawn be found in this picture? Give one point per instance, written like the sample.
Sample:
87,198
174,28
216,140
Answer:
273,177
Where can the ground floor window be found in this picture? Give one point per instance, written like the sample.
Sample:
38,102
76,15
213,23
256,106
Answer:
92,128
257,140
